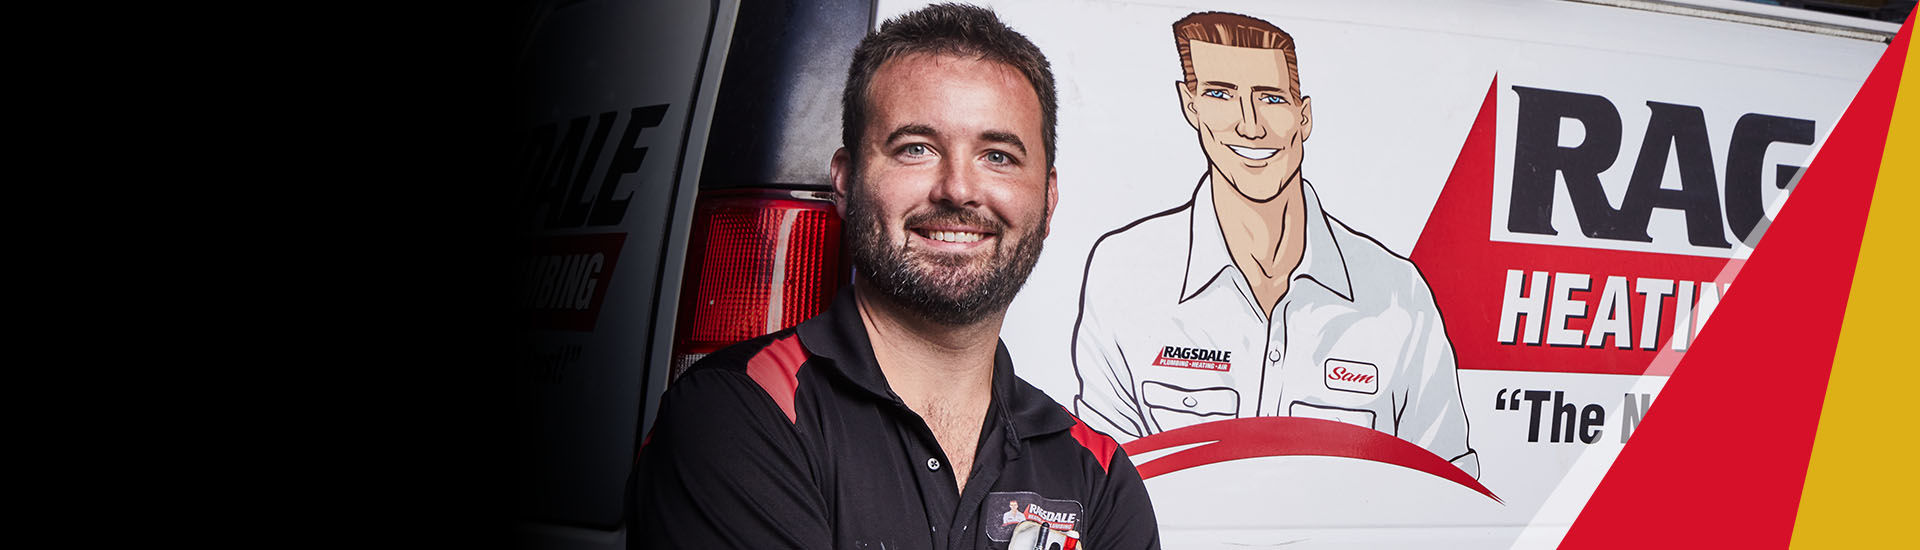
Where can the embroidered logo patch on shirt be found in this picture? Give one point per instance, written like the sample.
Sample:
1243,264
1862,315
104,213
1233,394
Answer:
1352,376
1194,358
1002,512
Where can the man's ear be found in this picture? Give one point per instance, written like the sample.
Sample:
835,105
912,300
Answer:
1053,201
840,170
1186,104
1306,117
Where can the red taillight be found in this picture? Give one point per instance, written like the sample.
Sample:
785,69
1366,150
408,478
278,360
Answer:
759,261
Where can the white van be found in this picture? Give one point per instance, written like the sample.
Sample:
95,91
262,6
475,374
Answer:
1568,182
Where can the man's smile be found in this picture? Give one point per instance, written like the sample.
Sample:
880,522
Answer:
1253,153
952,235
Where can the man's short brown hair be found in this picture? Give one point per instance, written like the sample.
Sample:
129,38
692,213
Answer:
951,29
1232,29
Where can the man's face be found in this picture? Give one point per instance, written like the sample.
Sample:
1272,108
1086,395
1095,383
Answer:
1250,125
947,198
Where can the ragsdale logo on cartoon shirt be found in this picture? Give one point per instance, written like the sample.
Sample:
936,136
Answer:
1194,358
1000,523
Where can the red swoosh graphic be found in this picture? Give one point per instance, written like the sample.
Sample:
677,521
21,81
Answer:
1239,438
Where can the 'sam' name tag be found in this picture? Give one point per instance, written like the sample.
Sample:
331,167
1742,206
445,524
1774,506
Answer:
1352,376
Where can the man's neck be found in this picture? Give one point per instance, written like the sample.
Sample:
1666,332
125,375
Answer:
1266,239
922,357
943,372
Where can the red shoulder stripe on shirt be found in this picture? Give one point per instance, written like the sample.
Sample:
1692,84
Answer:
1099,444
643,446
776,369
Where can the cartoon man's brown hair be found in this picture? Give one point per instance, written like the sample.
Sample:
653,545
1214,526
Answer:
1232,29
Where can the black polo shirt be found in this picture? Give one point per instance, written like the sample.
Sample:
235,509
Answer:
795,440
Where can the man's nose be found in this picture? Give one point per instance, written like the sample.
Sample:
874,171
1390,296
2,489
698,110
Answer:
1250,125
958,184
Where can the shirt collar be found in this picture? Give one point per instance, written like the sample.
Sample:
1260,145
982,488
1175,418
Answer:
839,336
1207,256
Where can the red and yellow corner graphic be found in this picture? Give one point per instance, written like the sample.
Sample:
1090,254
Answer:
1789,424
1863,485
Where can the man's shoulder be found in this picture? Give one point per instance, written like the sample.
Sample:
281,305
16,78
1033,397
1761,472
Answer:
732,401
758,364
1157,244
735,357
1061,425
1155,231
1377,272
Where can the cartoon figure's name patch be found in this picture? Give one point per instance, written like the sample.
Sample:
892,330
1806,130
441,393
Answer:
1352,376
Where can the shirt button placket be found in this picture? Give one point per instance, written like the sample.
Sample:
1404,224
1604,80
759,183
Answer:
1276,351
1275,378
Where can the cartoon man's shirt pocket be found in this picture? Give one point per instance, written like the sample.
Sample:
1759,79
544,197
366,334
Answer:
1359,417
1176,407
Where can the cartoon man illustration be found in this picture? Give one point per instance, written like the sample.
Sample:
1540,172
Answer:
1013,515
1251,300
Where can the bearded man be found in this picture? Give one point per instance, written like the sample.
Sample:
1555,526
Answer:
894,419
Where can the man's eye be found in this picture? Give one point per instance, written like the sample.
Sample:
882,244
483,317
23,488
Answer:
916,150
1273,100
997,157
1217,94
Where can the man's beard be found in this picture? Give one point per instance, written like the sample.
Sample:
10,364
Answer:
936,285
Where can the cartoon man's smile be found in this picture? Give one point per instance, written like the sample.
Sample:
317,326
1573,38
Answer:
1253,153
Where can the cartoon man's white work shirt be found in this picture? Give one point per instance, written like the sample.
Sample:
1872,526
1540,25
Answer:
1170,335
